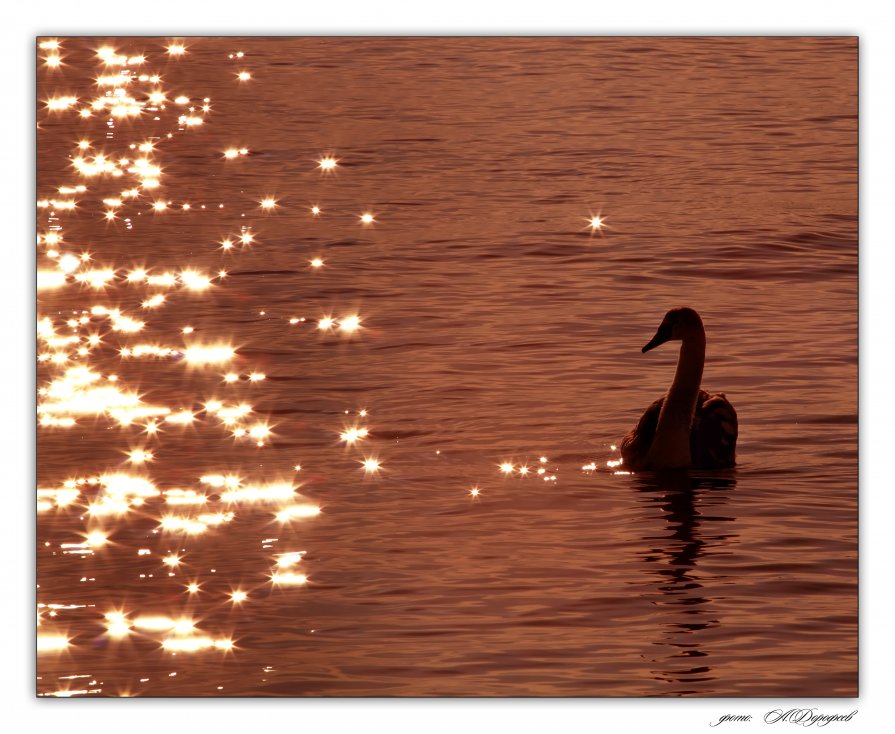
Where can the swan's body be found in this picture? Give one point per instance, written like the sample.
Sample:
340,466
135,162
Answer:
687,427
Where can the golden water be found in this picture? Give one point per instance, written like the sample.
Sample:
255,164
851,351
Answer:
336,338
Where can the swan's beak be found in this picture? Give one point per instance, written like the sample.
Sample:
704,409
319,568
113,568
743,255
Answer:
662,335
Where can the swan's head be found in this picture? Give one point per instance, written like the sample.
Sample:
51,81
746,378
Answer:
678,324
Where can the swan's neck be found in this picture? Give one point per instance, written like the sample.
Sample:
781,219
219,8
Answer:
671,444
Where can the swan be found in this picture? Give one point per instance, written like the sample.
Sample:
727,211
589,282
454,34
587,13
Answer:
687,427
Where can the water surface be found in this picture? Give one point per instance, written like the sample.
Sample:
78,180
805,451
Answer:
496,326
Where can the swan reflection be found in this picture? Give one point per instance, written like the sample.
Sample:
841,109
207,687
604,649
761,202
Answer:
672,558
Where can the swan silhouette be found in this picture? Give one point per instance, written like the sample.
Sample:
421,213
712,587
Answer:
687,427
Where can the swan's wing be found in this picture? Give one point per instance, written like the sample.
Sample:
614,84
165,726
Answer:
636,443
713,437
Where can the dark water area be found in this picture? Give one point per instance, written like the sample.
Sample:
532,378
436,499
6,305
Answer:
496,325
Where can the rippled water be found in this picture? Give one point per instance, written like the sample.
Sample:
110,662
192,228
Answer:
496,326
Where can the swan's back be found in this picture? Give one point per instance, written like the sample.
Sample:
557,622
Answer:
713,434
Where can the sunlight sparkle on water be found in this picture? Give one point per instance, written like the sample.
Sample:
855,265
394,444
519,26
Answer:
194,280
174,523
126,485
50,279
61,103
183,417
52,643
163,623
49,498
295,512
81,392
139,456
96,538
287,560
349,324
110,56
70,693
195,644
595,222
96,278
216,518
259,431
351,435
117,625
185,497
209,354
371,465
276,492
118,126
288,579
165,279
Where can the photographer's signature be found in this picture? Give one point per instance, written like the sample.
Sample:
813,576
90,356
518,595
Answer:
800,717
